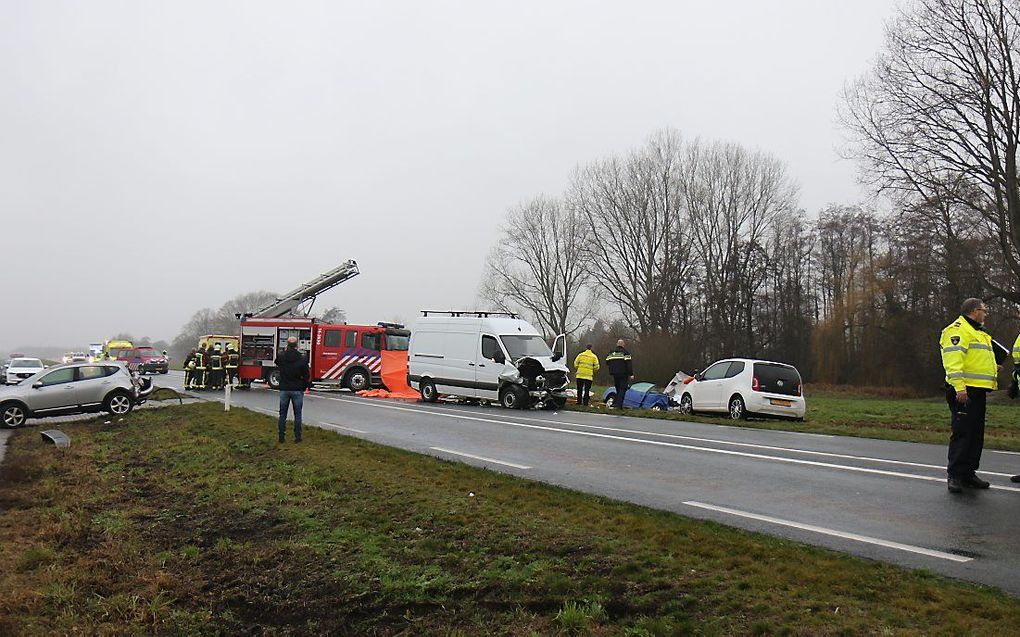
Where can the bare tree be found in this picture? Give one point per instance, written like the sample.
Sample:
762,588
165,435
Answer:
537,267
639,247
937,119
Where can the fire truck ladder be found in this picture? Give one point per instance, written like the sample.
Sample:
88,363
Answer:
304,295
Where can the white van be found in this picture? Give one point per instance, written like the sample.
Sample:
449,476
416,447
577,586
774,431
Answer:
486,355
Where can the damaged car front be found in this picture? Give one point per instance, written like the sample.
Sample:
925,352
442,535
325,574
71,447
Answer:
536,376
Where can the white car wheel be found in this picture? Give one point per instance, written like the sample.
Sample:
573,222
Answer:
686,405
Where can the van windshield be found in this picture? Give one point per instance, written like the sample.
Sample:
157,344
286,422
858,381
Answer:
519,345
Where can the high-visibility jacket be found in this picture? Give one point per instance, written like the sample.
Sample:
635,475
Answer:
216,360
586,364
1016,351
967,356
233,359
619,362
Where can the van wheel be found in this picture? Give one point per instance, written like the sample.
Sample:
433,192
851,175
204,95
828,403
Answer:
512,397
12,415
737,409
686,405
428,391
273,380
118,404
357,380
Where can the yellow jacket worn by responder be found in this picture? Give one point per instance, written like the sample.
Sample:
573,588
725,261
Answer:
968,357
585,365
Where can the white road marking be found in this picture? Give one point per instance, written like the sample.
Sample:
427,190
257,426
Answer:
832,532
727,452
331,425
482,458
769,447
1010,453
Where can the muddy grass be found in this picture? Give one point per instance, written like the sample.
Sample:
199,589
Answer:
190,521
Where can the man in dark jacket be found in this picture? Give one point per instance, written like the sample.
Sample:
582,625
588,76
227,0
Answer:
621,369
293,367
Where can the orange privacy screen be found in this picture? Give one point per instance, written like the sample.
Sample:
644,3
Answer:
394,377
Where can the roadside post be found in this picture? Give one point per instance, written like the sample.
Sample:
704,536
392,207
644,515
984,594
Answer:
226,397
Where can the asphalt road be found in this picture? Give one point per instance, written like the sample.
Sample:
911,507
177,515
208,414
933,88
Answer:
872,498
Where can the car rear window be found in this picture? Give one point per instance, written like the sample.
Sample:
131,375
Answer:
777,379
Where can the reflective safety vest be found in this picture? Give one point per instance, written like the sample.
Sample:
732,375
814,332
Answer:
968,357
586,364
1016,351
199,360
232,360
216,361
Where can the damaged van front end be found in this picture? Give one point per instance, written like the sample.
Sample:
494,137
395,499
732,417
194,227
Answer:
540,379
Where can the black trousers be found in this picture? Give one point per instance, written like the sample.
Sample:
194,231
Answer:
583,391
621,389
968,437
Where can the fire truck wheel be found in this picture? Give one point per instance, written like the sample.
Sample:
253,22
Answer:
428,390
274,379
357,380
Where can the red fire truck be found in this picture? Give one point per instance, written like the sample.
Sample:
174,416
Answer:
341,355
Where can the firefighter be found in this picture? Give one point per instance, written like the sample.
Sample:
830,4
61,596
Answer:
198,378
189,368
216,367
233,361
971,372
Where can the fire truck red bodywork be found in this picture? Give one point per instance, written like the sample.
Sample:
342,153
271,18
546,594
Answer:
345,355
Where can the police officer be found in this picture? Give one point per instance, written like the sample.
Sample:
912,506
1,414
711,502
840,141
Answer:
585,365
233,360
189,368
216,367
621,368
971,372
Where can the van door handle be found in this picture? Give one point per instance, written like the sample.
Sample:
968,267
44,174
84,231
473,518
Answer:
481,364
471,364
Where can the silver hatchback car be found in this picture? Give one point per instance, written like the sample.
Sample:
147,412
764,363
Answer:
74,388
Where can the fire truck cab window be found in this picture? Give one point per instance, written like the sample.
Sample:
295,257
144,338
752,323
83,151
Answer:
352,339
370,340
332,338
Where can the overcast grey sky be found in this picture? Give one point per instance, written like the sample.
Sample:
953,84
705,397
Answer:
157,158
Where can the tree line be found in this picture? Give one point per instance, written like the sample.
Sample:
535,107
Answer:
697,250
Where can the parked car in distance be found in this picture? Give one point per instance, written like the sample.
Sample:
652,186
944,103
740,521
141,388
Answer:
639,396
75,357
145,360
73,389
743,387
21,368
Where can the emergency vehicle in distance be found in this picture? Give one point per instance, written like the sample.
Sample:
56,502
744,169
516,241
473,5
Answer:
341,355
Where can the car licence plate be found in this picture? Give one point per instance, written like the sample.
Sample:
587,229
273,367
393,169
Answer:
781,403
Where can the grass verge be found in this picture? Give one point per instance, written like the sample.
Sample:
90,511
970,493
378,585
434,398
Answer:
187,520
838,412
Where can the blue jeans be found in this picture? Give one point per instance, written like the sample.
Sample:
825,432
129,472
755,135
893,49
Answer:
297,399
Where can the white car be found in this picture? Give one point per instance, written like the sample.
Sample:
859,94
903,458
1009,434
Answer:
21,368
743,387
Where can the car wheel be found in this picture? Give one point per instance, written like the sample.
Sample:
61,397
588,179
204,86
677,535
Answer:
611,401
13,415
118,404
737,409
428,390
686,405
274,379
512,397
357,380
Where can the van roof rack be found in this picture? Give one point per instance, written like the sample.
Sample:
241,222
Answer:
472,313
